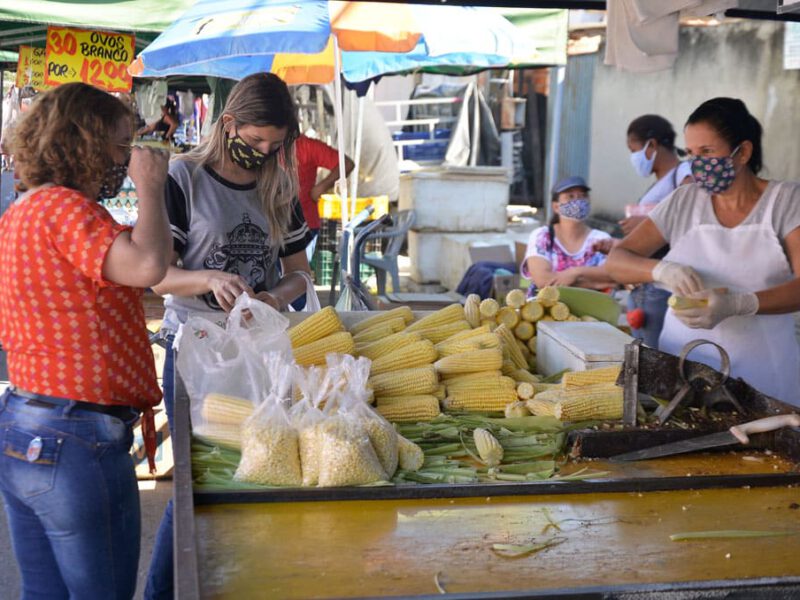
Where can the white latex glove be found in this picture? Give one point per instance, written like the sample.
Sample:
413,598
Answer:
721,305
679,279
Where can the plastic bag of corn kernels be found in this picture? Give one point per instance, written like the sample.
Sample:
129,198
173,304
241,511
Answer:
307,417
270,446
346,454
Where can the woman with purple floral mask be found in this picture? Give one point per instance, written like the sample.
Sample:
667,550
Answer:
567,251
734,246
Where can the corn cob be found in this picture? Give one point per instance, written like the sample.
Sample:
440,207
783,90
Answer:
442,332
548,296
539,387
525,390
319,325
387,400
516,409
541,408
472,311
515,298
479,401
380,331
526,354
481,385
489,449
226,410
414,355
389,344
547,318
410,456
464,378
508,368
226,436
599,401
408,382
510,344
524,330
589,319
532,365
489,323
403,312
444,316
507,316
532,311
574,379
532,344
315,352
415,409
524,375
683,303
489,308
470,362
469,333
559,311
441,392
573,319
449,347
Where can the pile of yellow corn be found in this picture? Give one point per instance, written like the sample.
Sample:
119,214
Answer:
581,396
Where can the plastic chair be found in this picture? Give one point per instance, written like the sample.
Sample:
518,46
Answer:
386,262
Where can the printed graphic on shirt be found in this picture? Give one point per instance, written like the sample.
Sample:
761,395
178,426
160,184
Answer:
246,253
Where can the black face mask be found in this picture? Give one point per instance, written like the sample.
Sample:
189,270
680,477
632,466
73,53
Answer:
113,180
244,155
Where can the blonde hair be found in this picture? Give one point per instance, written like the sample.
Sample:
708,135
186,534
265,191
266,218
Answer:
261,99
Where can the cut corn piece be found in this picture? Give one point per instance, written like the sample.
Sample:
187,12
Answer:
515,298
408,382
525,390
442,332
315,352
559,311
415,409
414,355
389,344
380,331
573,319
684,303
489,308
539,387
507,316
318,325
489,449
589,319
470,362
532,311
516,409
489,323
573,379
532,344
444,316
547,318
524,330
524,375
403,312
548,296
479,401
602,401
472,310
410,456
541,408
226,410
510,344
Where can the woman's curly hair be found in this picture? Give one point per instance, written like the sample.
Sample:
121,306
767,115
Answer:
64,137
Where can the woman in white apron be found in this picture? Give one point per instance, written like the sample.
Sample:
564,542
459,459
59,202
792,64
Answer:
735,241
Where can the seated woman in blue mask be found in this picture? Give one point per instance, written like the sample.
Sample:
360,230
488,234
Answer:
568,252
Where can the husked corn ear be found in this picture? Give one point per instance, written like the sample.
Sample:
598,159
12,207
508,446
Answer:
315,352
525,390
508,368
415,409
319,325
532,365
404,312
380,331
524,375
489,323
599,401
524,330
470,362
589,319
510,345
463,378
532,311
532,345
224,435
487,384
479,401
441,392
375,350
226,410
516,409
524,349
548,296
387,400
411,457
559,311
408,382
489,449
541,408
444,316
472,310
449,347
507,316
574,379
414,355
489,308
515,298
443,332
539,387
683,303
469,333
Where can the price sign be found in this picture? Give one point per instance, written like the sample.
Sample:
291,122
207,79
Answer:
30,67
99,58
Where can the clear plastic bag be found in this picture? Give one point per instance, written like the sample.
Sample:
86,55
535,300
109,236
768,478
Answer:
307,418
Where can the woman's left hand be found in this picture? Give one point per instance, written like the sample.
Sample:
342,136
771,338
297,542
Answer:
565,278
721,305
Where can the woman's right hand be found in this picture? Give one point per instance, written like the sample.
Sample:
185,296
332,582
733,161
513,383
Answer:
227,287
148,170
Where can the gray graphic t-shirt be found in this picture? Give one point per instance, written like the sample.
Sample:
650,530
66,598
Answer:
217,224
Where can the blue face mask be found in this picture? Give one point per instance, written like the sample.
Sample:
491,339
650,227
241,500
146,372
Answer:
640,162
577,209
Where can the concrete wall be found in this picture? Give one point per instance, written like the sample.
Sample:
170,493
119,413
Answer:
742,59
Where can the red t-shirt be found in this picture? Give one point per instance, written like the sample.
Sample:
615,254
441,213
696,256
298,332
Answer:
68,331
312,154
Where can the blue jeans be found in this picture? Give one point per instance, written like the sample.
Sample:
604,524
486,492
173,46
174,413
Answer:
653,301
71,499
160,578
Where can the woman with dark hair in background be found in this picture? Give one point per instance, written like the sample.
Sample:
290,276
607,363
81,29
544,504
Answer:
734,246
651,140
166,125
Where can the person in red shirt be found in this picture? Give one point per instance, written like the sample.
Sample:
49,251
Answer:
311,155
79,358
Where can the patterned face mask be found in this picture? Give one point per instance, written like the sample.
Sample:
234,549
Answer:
244,155
714,173
113,180
577,209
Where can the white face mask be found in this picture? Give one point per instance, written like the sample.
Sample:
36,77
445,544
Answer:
640,162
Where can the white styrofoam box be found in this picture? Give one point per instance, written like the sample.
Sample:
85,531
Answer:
578,345
456,198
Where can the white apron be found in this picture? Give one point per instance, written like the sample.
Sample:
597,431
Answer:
746,258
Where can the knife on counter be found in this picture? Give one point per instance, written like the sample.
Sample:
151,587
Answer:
738,434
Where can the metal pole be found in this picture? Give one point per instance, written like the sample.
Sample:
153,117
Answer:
555,135
476,126
357,153
338,107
